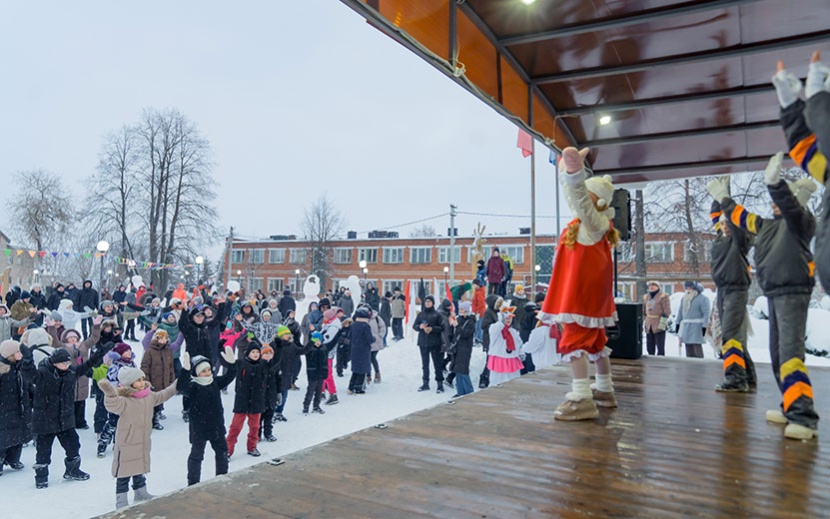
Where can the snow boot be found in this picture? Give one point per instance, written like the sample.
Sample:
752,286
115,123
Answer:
776,416
796,431
318,410
186,416
424,386
102,449
121,501
73,470
440,388
377,378
141,494
157,422
732,386
332,400
270,438
41,475
280,417
255,453
574,410
305,410
368,379
162,416
15,465
604,398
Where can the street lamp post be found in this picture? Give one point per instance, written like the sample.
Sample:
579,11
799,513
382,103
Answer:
34,276
446,271
102,247
296,283
365,271
199,261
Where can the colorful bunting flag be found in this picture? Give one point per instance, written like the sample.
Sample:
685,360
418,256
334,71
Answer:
525,143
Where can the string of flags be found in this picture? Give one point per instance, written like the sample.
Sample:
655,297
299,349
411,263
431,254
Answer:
87,255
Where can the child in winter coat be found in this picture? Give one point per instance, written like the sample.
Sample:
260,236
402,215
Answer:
207,423
55,383
15,407
134,403
581,295
157,364
330,332
70,340
249,401
344,344
121,356
286,353
361,350
505,348
272,397
463,334
317,371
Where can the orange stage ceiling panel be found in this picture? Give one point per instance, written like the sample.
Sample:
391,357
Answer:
425,20
514,92
478,56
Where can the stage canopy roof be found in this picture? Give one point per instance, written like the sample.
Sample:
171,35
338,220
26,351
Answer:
686,84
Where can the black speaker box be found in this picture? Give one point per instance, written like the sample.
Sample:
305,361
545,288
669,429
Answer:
626,339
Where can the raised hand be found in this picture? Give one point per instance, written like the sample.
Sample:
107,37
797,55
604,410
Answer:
574,160
98,320
228,355
719,188
184,358
787,85
818,76
772,175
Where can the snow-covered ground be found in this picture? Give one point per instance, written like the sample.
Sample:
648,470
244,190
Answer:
396,396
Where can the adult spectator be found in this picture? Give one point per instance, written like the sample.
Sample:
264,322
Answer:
398,306
53,302
347,303
287,303
657,308
87,299
692,318
38,297
496,272
372,296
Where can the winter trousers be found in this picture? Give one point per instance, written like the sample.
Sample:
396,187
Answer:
694,351
122,485
266,428
129,333
100,418
197,454
343,352
375,364
236,428
463,385
315,391
68,439
787,330
10,456
493,288
656,343
529,366
108,434
738,368
397,328
80,414
328,383
437,363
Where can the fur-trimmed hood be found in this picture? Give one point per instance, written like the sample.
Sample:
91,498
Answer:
130,390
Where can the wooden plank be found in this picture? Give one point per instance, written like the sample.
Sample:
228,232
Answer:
674,448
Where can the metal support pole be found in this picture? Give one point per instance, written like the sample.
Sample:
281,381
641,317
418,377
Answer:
101,286
452,243
533,215
230,253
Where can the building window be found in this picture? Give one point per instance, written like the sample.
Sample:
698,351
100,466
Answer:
257,256
276,255
444,254
659,252
516,253
295,285
343,256
420,255
275,285
393,254
626,251
237,256
704,255
254,284
297,256
486,250
367,255
389,285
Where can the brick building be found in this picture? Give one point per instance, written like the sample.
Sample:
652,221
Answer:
284,261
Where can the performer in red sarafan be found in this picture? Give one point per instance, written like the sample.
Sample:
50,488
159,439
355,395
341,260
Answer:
581,297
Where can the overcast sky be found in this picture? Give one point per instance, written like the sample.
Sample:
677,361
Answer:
297,98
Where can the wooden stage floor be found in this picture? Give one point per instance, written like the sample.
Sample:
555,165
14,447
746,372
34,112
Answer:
674,448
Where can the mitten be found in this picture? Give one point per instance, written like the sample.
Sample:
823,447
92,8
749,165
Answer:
228,355
787,86
719,188
772,175
574,160
279,399
184,358
818,79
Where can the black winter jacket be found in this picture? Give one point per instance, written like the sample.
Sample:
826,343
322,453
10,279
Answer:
316,362
491,315
288,356
251,385
433,320
782,247
15,406
87,297
206,411
463,339
730,268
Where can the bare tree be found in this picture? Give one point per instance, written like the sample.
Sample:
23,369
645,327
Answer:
425,231
112,201
41,209
321,224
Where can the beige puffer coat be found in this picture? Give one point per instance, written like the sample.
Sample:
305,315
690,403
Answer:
132,438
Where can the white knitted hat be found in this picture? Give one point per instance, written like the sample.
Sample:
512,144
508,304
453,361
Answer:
602,187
